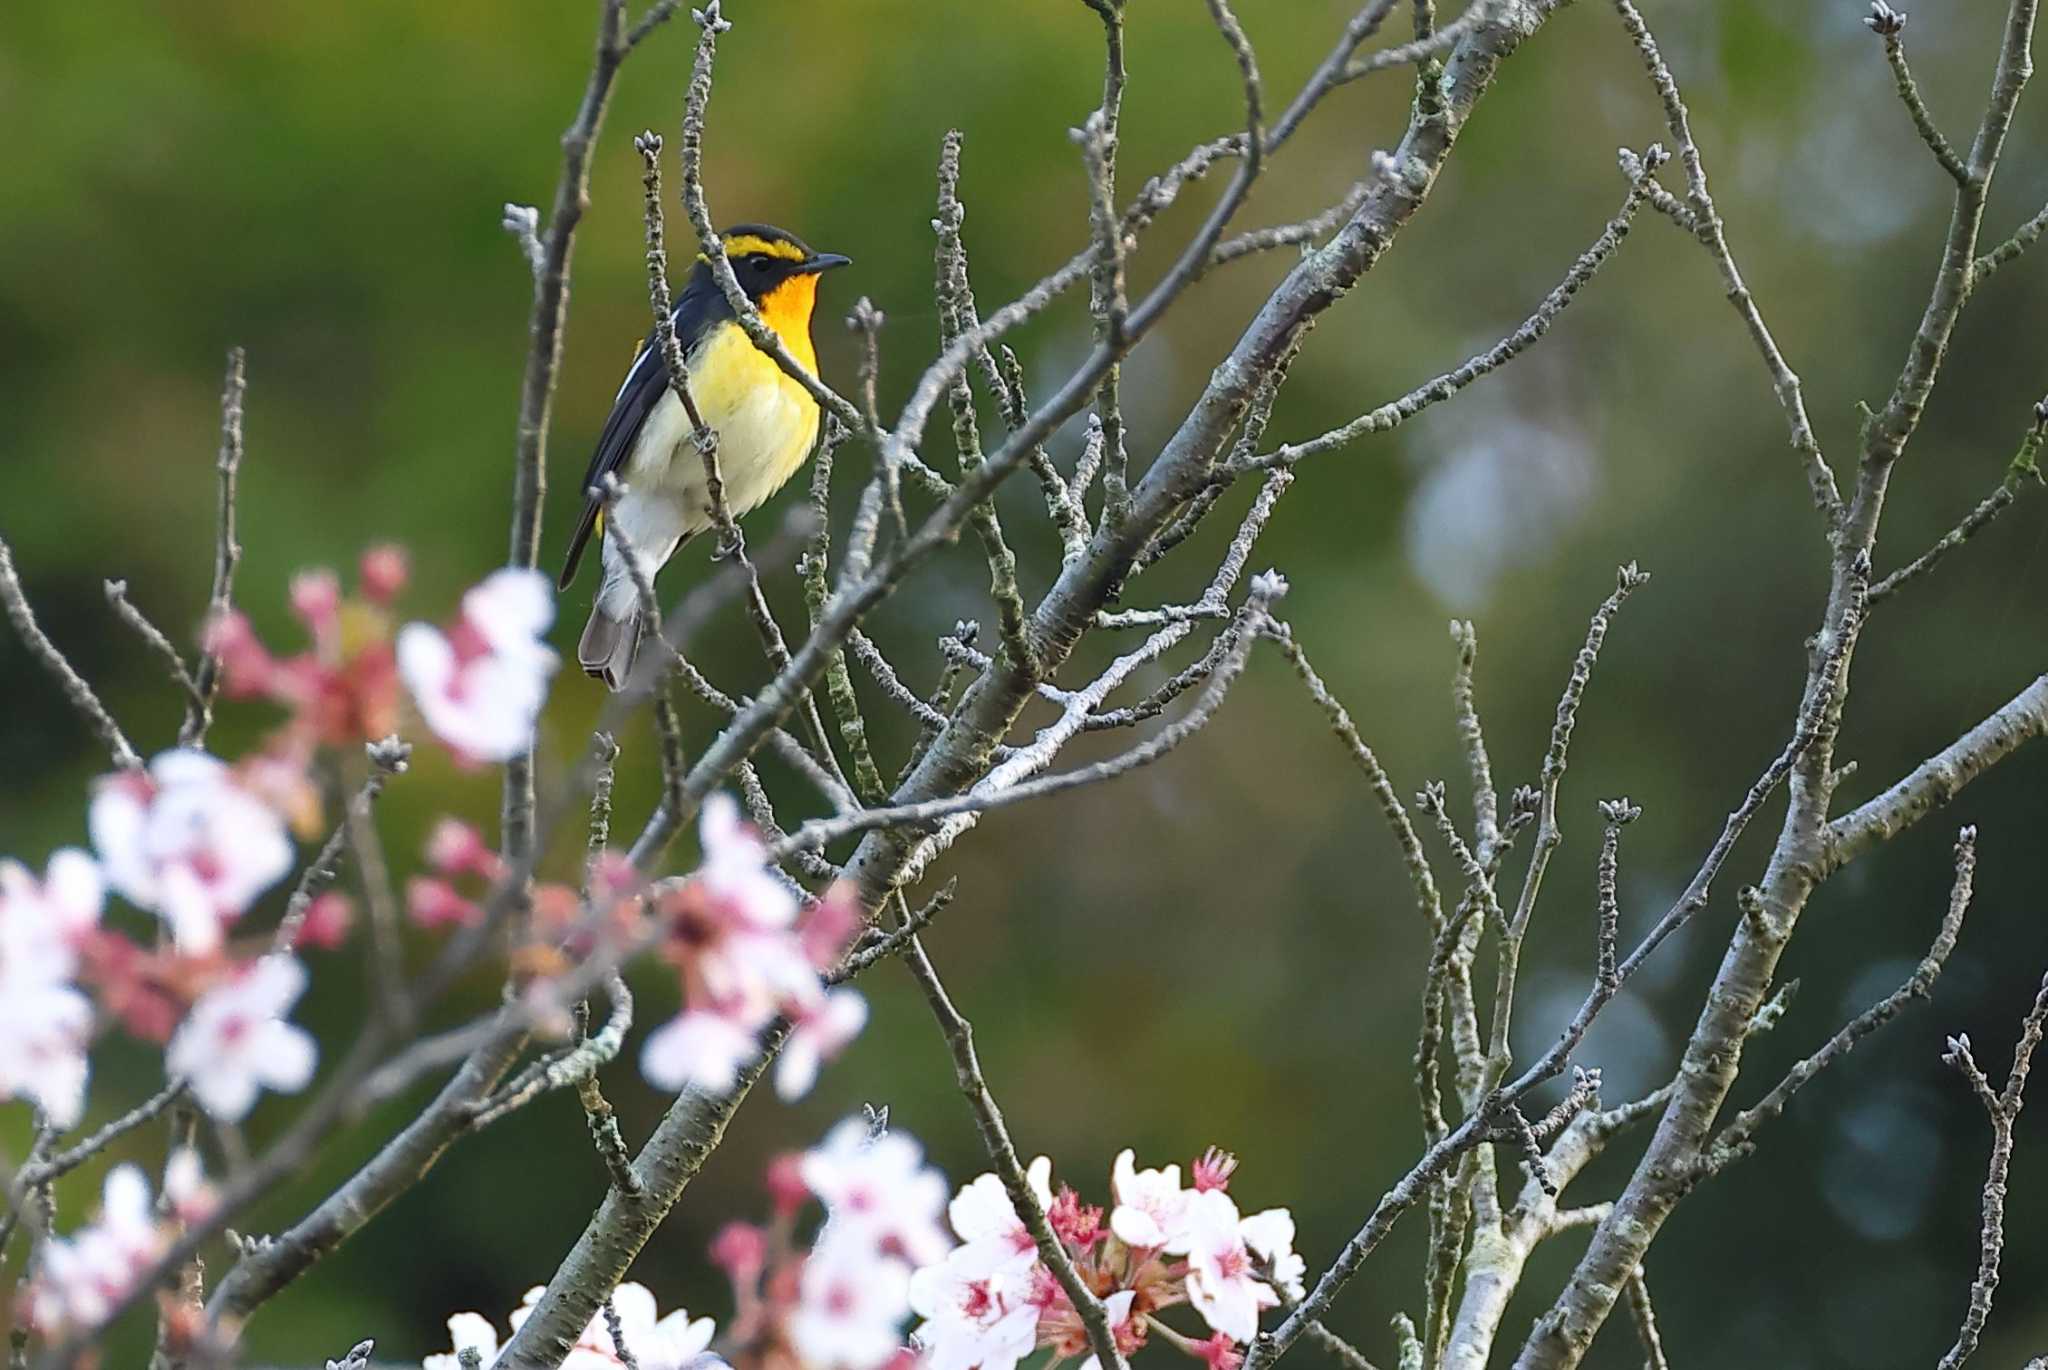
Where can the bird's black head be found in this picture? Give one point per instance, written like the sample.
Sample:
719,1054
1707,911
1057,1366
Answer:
765,258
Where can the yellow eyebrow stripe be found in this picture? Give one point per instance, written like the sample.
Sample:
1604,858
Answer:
745,244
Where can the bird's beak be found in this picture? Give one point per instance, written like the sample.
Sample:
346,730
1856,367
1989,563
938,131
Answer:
822,261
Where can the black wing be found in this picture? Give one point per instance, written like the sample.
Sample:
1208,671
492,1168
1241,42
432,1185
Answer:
699,307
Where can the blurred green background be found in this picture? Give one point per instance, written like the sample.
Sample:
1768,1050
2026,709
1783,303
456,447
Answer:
1221,948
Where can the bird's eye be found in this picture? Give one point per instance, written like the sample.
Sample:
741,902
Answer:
759,263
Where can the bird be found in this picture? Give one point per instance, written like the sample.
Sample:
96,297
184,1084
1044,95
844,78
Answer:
765,420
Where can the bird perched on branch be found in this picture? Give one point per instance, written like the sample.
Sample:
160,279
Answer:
765,420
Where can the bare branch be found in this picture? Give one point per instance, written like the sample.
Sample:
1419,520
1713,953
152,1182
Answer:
1645,1318
227,552
2004,1109
1738,1138
1705,224
1937,780
1582,271
153,638
44,651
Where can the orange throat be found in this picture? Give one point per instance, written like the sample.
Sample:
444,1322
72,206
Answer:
787,310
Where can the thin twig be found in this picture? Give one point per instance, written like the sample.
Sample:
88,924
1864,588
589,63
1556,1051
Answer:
995,1136
227,550
2004,1110
43,650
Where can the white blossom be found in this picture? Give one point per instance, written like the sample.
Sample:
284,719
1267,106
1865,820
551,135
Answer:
656,1343
45,1023
480,686
189,842
81,1277
973,1318
696,1047
1223,1283
1151,1207
818,1037
880,1189
850,1304
235,1041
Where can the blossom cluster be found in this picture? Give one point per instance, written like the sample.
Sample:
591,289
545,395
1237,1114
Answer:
80,1278
734,934
651,1342
196,843
842,1304
993,1301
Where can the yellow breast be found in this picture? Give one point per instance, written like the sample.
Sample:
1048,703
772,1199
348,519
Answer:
766,422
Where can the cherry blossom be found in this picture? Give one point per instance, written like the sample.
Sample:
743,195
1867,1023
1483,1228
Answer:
1223,1281
344,688
45,1023
880,1188
694,1047
1270,1235
973,1318
236,1041
732,932
1117,1308
656,1343
81,1277
187,841
993,1299
466,1332
480,686
993,1237
327,922
818,1037
850,1304
1151,1207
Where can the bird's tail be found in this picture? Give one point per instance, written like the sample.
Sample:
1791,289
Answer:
609,645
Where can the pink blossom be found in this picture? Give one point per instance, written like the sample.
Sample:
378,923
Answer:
236,1042
81,1277
342,690
819,1036
1223,1281
383,572
436,904
732,936
741,1251
480,686
880,1188
1117,1307
188,842
1212,1169
1220,1352
455,848
1076,1224
1151,1207
850,1303
786,1185
831,925
316,600
328,919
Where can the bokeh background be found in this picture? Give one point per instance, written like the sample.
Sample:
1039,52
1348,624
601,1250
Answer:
1220,948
